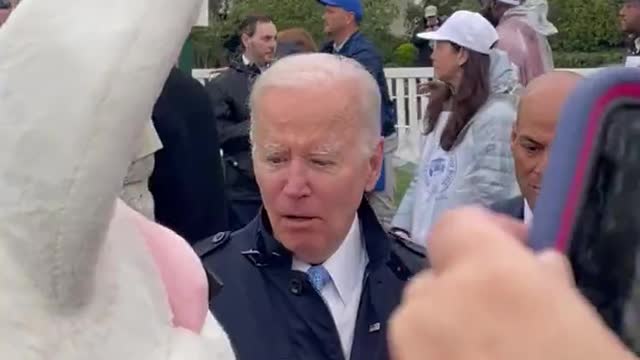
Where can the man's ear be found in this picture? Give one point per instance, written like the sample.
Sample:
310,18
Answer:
351,18
514,135
375,165
244,38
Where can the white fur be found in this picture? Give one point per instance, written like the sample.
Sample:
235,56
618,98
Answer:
78,79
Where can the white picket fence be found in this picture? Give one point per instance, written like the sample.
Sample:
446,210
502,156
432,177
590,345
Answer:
410,107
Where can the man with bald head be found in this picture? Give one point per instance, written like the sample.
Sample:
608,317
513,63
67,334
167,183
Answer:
533,132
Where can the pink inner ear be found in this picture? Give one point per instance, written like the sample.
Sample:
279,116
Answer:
181,272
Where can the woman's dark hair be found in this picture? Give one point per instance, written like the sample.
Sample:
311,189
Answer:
472,93
299,37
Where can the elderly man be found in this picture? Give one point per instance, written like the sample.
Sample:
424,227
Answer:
533,132
523,29
315,275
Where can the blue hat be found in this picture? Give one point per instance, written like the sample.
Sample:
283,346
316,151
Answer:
353,6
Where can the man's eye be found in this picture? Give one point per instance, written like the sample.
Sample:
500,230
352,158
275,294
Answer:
531,149
275,160
322,163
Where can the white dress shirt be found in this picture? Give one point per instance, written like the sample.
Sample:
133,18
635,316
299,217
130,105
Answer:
246,61
528,214
342,295
338,47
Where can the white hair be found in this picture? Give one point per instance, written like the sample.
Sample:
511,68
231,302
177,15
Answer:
318,70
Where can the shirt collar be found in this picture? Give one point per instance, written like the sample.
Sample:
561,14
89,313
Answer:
247,62
338,47
345,263
528,214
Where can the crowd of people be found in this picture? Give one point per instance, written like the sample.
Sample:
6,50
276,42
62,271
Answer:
279,175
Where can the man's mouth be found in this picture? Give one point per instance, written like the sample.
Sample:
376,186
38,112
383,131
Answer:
298,218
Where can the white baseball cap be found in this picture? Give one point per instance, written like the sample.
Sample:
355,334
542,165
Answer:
467,29
430,11
510,2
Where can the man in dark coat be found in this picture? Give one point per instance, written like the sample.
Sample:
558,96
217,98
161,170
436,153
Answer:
533,132
430,22
187,184
315,275
229,94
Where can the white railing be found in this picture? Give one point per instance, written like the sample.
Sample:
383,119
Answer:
410,107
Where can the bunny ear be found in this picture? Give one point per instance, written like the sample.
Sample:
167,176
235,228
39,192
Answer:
78,79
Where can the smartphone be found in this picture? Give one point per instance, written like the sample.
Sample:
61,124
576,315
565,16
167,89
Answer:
589,207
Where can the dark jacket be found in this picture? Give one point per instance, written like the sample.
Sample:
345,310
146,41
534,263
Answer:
631,46
186,183
229,93
423,45
513,207
272,312
424,51
359,48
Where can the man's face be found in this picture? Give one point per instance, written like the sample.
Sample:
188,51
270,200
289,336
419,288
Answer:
530,141
630,16
335,19
311,166
432,22
261,47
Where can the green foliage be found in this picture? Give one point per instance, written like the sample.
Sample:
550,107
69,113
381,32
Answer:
585,25
412,17
588,29
405,55
386,43
208,42
445,7
471,5
574,60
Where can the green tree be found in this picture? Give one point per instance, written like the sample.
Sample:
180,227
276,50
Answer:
404,55
585,25
208,42
471,5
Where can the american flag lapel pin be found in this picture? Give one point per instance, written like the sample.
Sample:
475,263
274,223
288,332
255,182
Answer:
374,327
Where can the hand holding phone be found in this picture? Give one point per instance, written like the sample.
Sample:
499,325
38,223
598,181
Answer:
589,207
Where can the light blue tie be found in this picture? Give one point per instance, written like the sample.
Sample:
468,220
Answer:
319,277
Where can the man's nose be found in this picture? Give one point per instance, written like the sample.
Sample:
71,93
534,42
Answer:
297,182
541,166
